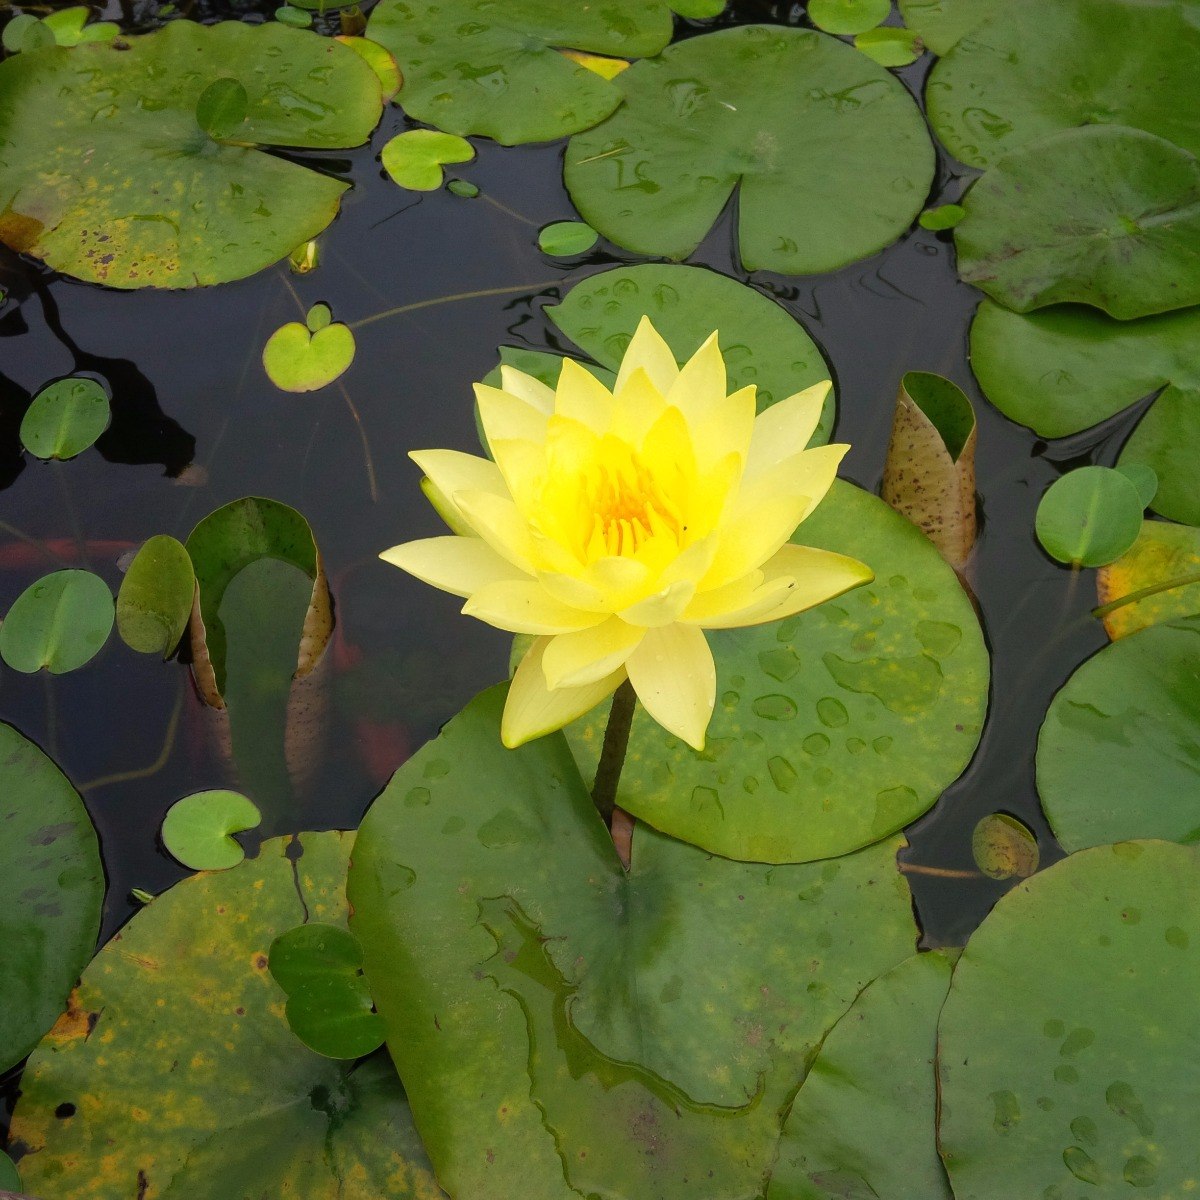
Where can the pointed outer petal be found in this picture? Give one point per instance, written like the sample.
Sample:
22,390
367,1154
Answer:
498,521
445,509
748,540
785,428
675,678
637,404
795,578
533,391
663,607
726,428
701,384
576,659
580,396
522,466
459,565
505,416
524,606
647,350
808,473
533,710
452,471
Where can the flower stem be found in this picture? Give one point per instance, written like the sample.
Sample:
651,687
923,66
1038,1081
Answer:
1133,597
612,756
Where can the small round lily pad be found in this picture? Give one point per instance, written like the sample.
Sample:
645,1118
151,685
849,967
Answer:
1004,847
847,16
222,108
414,159
60,622
944,216
65,418
297,359
889,46
198,829
155,600
1089,517
564,238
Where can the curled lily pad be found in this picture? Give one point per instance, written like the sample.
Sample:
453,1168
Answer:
1066,369
379,60
564,238
847,16
833,728
863,1123
60,623
1032,68
51,891
221,1099
762,110
493,67
1156,579
485,885
1004,847
155,600
1067,1061
301,358
329,1008
1116,754
1089,517
198,830
1105,216
65,418
414,159
109,177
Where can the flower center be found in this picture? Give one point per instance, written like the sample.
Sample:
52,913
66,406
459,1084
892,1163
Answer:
625,504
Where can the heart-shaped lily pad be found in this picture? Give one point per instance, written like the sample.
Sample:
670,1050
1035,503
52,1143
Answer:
109,177
1117,753
1066,1048
862,1125
1033,68
297,358
51,889
175,1074
1161,569
414,159
1066,369
833,728
493,67
827,151
554,1016
198,830
1105,216
65,418
155,600
58,623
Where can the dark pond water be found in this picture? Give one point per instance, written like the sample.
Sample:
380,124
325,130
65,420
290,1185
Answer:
433,283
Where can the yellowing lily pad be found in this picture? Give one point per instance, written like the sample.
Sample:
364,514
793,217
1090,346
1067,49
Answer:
1004,847
414,159
1159,575
65,418
109,177
155,600
175,1073
198,829
820,180
298,359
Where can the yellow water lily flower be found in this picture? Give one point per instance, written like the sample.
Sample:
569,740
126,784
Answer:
616,526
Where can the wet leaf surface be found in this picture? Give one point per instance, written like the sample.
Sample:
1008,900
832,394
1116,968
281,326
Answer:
1162,555
826,150
51,892
832,729
176,1073
59,623
1118,752
1067,369
198,829
111,179
863,1123
586,1020
1004,847
1104,216
1089,517
65,418
156,597
1065,1049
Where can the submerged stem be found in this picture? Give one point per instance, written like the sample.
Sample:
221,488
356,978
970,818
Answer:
612,756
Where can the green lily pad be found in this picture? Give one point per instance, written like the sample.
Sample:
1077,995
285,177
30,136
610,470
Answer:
414,159
945,216
198,830
51,892
70,26
832,729
1116,755
564,238
299,359
1144,478
827,151
155,600
493,67
1089,517
1067,369
60,622
65,418
26,32
9,1179
862,1124
1104,216
1066,1047
1004,847
222,108
761,342
329,1007
109,177
889,46
540,1002
298,18
176,1073
1162,569
847,16
1032,68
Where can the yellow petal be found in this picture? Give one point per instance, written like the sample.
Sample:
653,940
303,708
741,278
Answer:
533,710
749,539
581,397
499,522
451,471
673,673
637,404
700,385
506,416
726,428
524,606
662,607
445,509
647,350
459,565
785,428
809,473
575,659
533,391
